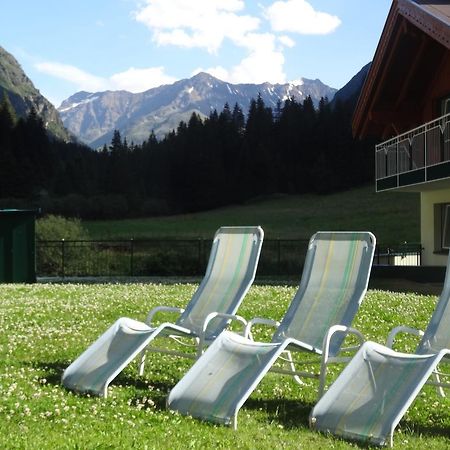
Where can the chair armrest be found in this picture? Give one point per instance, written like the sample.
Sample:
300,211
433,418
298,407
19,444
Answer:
326,350
338,329
260,321
157,309
208,319
214,315
401,329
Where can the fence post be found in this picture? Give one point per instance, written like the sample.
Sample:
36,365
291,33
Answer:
279,256
200,254
131,257
63,257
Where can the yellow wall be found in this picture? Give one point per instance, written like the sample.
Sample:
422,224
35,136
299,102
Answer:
427,226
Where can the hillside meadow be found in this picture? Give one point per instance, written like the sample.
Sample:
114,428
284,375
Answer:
394,217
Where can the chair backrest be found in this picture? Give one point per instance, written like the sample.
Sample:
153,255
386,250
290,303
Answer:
437,333
229,275
334,281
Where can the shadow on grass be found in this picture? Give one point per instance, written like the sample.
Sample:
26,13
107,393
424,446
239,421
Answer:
52,371
294,414
291,414
425,430
154,389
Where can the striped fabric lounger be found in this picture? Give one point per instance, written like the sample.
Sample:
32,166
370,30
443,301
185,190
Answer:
371,395
373,392
333,284
229,275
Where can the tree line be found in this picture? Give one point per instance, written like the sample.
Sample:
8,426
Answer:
224,159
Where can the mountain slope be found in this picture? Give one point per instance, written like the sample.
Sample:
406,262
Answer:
92,117
350,92
24,96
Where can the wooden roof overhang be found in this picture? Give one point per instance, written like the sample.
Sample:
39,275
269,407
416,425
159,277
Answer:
414,43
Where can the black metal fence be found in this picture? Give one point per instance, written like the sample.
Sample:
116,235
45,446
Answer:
406,254
179,257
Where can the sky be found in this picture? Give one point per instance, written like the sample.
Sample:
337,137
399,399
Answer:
66,46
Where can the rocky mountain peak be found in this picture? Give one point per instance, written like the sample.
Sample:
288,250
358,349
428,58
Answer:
94,116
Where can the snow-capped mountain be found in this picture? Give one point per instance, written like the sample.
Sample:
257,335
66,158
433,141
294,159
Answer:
93,117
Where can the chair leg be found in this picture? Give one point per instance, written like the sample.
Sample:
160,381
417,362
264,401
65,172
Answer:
439,389
142,363
292,366
235,421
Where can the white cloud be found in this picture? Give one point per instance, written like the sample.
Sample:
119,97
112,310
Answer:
83,80
286,41
299,16
132,80
259,67
263,63
207,24
200,23
139,80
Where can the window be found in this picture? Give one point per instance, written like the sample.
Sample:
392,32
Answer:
441,227
446,228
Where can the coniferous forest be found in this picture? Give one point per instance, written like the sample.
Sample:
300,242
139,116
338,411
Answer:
224,159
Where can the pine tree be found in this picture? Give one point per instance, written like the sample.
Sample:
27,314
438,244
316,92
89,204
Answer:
7,111
238,118
8,165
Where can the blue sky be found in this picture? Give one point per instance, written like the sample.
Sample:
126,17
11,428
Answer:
66,46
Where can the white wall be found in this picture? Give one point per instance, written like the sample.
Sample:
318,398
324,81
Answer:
427,226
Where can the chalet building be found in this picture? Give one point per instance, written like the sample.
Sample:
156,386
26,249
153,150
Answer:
405,102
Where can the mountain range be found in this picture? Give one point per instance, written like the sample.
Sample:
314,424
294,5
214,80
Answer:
93,117
24,96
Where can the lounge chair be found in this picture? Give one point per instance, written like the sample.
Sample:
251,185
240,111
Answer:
371,395
230,272
333,284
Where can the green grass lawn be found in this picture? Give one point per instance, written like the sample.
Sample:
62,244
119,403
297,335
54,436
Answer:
394,218
46,326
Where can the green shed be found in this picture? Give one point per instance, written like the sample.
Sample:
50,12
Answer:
17,246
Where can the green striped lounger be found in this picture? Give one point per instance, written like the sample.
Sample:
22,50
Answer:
368,399
229,275
373,392
333,284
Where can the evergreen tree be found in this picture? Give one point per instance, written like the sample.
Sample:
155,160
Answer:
7,111
259,172
238,118
8,165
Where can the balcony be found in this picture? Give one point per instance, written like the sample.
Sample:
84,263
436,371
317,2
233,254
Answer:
421,155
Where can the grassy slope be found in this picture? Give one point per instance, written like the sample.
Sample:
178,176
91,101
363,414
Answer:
392,216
